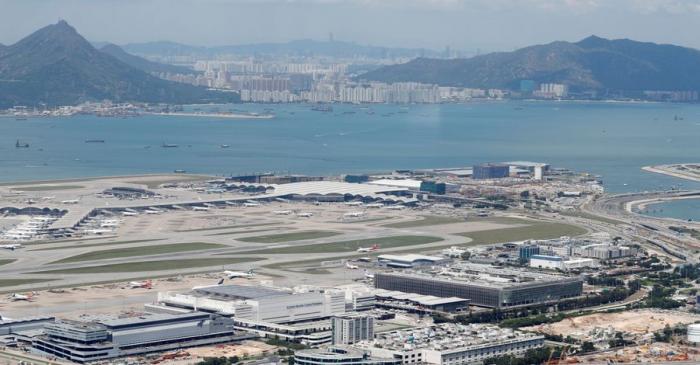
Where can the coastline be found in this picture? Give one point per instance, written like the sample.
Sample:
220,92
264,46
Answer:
215,115
669,170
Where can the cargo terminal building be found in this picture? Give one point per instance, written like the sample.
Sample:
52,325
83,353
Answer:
484,285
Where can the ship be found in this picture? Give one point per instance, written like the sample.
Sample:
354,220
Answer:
323,108
224,146
168,145
94,141
21,145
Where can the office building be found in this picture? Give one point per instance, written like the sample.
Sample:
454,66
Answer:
83,342
451,344
490,171
340,355
352,327
484,285
526,251
433,187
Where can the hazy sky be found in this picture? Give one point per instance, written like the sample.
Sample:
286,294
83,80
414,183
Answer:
462,24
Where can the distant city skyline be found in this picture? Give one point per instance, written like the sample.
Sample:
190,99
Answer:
468,25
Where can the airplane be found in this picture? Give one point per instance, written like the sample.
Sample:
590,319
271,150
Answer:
395,207
374,247
350,266
354,204
239,274
129,214
220,282
11,246
353,215
98,231
368,275
200,209
374,205
250,204
282,212
149,211
73,201
17,297
305,214
146,284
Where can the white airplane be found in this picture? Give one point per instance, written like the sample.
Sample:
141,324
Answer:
150,211
146,284
350,266
282,212
129,214
48,197
372,248
395,207
11,246
354,204
240,274
368,275
250,204
374,205
98,231
17,297
109,224
200,209
353,215
73,201
305,214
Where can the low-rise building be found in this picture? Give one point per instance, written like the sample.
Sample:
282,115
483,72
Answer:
451,344
340,355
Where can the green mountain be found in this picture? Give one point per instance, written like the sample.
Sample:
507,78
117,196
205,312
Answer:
142,63
593,63
57,66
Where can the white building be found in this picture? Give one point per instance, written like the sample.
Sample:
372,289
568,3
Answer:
351,328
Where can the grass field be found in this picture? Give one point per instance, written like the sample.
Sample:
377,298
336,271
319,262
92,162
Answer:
94,245
13,282
140,251
143,266
287,237
349,246
428,220
48,187
533,231
234,226
6,261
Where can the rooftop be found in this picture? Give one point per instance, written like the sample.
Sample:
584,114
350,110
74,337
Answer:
234,292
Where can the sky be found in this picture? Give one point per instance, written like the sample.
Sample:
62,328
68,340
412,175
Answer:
467,25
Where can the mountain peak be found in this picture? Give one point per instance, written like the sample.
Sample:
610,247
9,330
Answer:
592,41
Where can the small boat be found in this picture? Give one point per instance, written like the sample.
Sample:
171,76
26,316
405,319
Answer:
224,146
21,145
179,171
168,145
94,141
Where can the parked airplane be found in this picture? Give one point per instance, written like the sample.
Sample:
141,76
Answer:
11,246
353,215
152,211
368,275
305,214
354,204
282,212
395,207
373,248
240,274
251,204
73,201
350,266
98,231
200,209
220,282
146,284
374,205
15,297
129,214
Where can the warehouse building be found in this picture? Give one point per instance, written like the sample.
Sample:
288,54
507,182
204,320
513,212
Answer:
451,344
484,285
83,342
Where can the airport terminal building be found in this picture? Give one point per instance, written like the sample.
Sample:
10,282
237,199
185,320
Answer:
484,285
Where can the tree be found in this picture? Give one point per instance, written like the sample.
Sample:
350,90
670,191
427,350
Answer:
587,346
